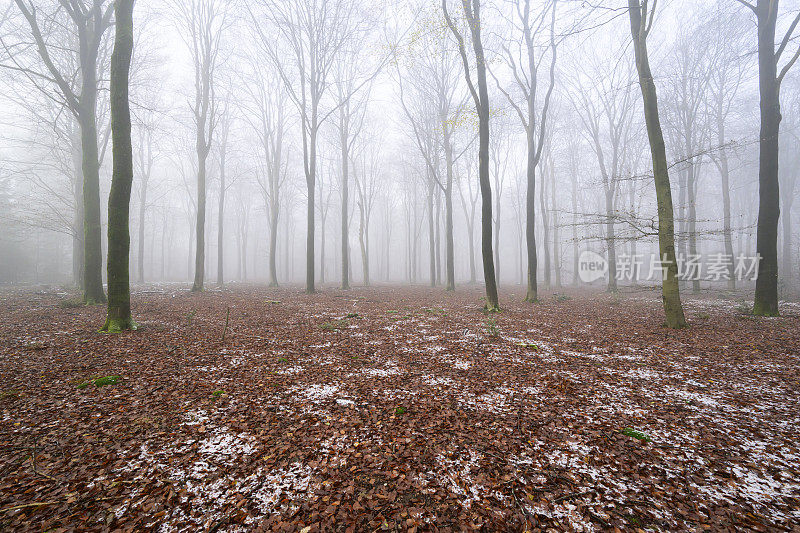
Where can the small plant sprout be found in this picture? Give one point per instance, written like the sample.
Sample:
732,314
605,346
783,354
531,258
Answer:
491,327
400,410
99,382
334,325
630,432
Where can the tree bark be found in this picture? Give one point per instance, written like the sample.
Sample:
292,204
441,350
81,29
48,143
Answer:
119,296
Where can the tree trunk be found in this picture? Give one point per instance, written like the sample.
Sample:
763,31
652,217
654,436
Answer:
273,246
142,209
545,229
556,258
343,137
611,239
766,295
431,229
726,202
530,224
200,223
691,186
670,290
311,176
787,237
119,295
93,255
78,224
221,214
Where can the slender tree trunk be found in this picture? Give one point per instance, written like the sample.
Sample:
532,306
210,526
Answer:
200,223
691,186
575,252
221,215
472,266
530,224
556,258
431,230
670,290
142,211
497,225
450,269
78,224
119,240
766,295
726,202
310,186
545,229
343,137
611,240
787,237
273,245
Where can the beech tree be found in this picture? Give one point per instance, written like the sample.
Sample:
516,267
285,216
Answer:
641,20
119,239
526,75
203,23
90,23
769,84
265,112
480,95
308,36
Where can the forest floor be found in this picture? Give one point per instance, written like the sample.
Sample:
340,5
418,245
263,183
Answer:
397,409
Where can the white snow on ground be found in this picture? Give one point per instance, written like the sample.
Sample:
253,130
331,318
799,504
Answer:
390,368
281,489
455,474
314,393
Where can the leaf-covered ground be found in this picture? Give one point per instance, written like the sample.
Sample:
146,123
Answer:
397,409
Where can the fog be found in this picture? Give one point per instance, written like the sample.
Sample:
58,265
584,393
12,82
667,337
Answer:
380,126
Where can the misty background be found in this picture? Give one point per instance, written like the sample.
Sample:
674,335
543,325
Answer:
394,109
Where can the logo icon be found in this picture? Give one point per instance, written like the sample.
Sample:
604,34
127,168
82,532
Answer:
591,266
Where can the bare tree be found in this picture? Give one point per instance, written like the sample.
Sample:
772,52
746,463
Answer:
769,78
726,75
641,19
480,95
309,34
605,107
265,112
202,24
368,186
89,23
526,74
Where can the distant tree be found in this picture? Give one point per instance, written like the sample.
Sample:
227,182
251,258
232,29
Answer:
368,185
769,82
727,73
306,36
119,239
265,112
202,24
641,19
605,107
480,95
224,130
526,74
